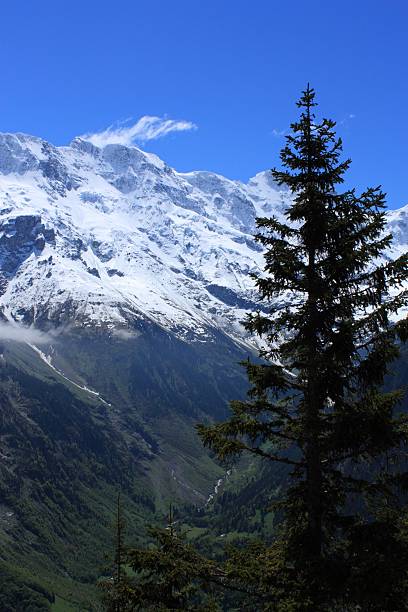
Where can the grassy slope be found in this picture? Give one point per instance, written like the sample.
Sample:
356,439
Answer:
67,453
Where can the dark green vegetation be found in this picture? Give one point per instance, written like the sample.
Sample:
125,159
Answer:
66,453
317,409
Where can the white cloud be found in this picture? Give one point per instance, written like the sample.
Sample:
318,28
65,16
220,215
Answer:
20,333
347,118
146,128
125,334
278,133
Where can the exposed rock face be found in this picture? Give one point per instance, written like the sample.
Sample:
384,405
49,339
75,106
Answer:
16,154
20,232
21,237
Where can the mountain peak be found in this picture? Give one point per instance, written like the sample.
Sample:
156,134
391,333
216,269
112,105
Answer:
109,236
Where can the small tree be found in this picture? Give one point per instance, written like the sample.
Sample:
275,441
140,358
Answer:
116,588
167,575
316,403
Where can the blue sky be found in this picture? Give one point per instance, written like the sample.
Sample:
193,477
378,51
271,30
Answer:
232,68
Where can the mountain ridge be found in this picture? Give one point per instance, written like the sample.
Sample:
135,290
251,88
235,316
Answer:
108,236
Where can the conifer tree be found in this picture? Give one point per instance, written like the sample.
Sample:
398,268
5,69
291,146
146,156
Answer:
116,589
167,575
316,402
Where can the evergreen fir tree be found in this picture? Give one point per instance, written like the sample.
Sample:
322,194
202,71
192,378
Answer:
316,402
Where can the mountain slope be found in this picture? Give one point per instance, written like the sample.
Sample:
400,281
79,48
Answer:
123,284
67,451
113,235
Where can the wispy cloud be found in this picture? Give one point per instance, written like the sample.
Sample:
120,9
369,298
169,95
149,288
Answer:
20,333
347,118
278,133
146,128
125,334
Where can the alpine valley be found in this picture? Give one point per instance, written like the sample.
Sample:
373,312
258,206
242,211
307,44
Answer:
123,285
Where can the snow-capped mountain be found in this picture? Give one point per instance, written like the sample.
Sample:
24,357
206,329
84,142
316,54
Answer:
108,236
155,265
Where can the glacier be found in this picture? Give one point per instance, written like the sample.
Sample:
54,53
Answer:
109,236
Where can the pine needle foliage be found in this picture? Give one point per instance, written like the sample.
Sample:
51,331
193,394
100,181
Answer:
167,575
316,402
